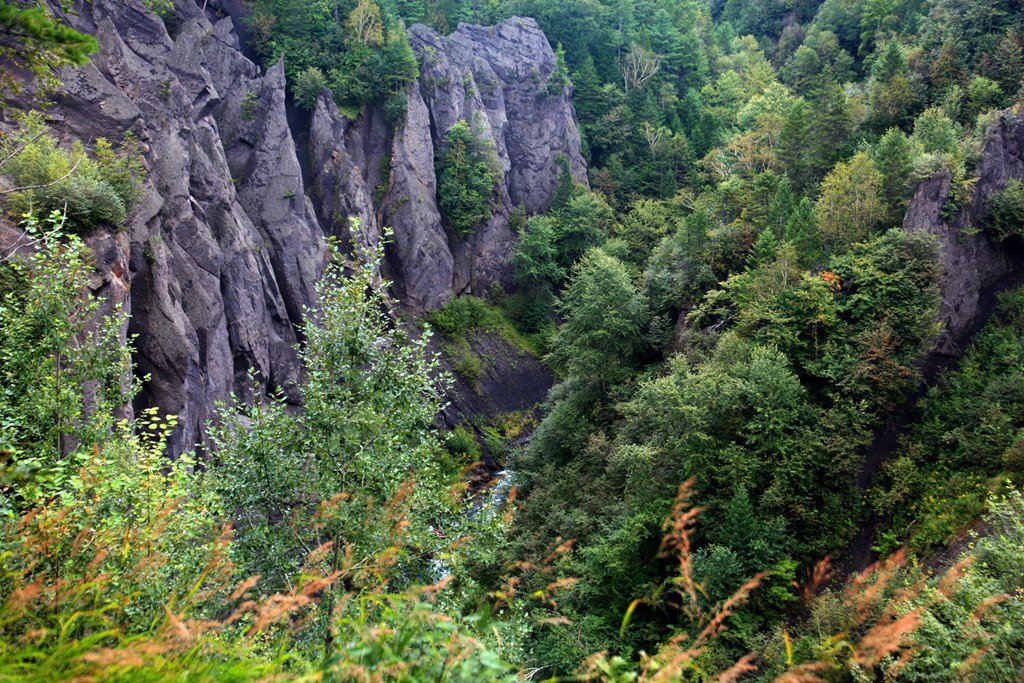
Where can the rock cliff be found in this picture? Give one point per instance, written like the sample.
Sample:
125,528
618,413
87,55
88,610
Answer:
218,264
496,77
975,267
222,255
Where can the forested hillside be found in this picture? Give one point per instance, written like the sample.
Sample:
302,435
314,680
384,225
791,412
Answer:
283,284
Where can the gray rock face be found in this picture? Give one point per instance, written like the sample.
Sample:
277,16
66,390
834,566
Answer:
221,257
494,77
345,159
219,262
497,79
974,265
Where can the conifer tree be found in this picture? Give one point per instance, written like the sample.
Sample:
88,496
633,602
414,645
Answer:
32,39
764,249
893,157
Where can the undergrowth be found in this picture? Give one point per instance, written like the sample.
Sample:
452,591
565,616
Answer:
90,189
969,440
464,315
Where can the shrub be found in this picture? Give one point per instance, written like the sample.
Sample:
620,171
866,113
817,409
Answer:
162,8
531,311
249,101
65,367
465,179
1006,211
459,316
89,190
467,314
308,86
468,365
125,566
983,95
495,443
395,108
462,444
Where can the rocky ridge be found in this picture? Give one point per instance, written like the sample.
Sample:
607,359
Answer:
218,265
496,78
975,267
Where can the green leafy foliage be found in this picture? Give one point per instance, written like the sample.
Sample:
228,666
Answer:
727,303
467,314
163,9
1005,217
56,348
89,190
465,179
361,52
249,101
967,440
850,205
603,317
308,86
120,564
33,40
350,444
897,621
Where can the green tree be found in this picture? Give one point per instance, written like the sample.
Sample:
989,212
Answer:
89,190
947,69
465,179
893,156
32,39
604,316
588,97
802,231
983,95
795,146
535,255
679,269
584,222
66,371
851,205
308,87
1006,65
362,449
1005,215
892,97
764,249
935,132
815,134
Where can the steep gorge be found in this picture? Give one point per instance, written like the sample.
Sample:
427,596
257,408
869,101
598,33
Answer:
218,265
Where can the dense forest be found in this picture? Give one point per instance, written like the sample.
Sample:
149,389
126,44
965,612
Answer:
770,453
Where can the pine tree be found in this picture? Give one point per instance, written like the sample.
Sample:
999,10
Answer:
935,132
1006,65
893,157
604,316
802,70
764,249
411,11
782,205
891,96
796,145
566,186
832,127
947,69
32,40
802,232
